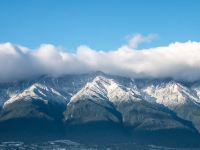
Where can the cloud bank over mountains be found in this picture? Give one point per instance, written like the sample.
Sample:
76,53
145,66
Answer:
180,61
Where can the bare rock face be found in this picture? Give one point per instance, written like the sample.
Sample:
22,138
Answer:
143,116
86,110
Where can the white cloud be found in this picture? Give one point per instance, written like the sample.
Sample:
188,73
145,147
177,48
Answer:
180,61
135,40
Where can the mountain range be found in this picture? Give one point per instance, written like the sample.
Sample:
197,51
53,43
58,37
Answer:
99,104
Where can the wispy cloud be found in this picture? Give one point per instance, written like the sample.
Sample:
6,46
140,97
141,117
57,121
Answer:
136,39
180,61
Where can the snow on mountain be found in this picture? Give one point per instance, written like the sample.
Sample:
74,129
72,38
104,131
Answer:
43,88
177,97
107,89
102,97
37,92
196,89
170,94
42,97
8,90
107,99
97,97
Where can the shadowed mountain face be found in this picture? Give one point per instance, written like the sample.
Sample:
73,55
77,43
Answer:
109,108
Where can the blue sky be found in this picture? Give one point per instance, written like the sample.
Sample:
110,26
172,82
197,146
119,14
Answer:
101,24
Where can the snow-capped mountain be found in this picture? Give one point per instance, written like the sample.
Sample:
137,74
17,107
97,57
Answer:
182,100
108,100
39,92
100,97
140,104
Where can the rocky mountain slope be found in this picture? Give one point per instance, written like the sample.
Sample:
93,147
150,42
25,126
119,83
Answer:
139,105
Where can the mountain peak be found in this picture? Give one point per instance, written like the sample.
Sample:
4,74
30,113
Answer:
104,88
105,92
